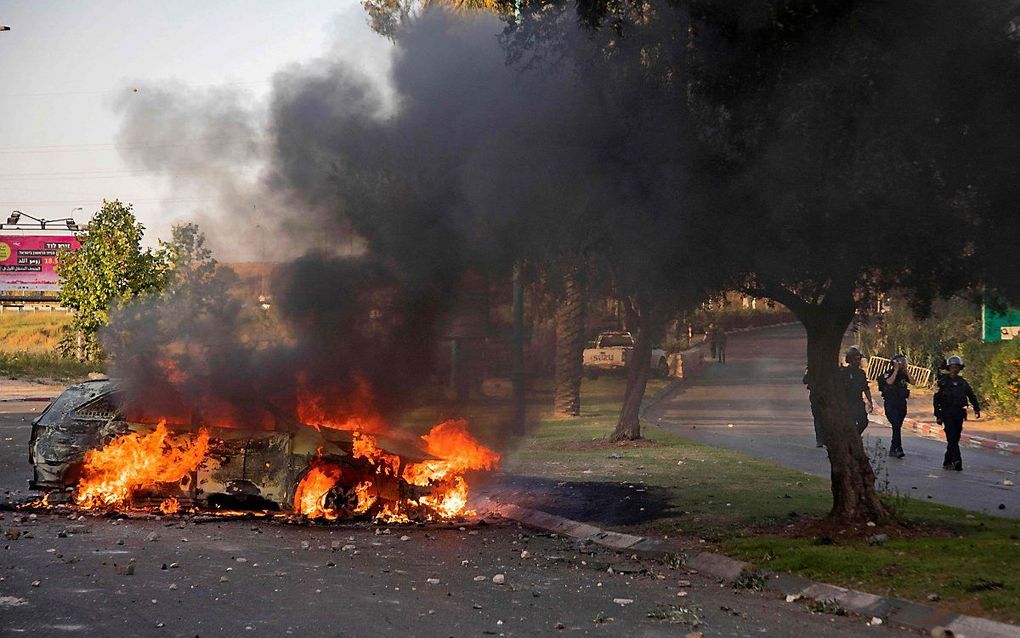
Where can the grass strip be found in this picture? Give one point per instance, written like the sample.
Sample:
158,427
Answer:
757,511
52,366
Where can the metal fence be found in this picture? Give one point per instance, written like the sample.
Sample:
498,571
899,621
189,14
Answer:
922,377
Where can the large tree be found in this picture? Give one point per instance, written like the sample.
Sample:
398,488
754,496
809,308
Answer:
110,268
838,149
859,147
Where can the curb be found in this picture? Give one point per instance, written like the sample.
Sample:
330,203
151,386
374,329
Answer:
22,399
891,610
753,328
659,395
934,431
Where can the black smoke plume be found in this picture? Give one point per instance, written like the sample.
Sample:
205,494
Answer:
481,160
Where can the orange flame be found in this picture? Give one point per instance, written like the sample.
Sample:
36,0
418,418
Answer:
170,506
136,461
366,499
310,496
355,412
365,448
459,452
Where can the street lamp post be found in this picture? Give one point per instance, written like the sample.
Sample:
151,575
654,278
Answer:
14,219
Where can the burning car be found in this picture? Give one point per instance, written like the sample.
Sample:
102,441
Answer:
90,448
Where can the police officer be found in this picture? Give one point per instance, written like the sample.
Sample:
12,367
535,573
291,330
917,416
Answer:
950,402
893,384
855,382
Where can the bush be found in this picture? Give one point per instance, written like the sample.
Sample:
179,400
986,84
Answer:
1003,374
978,355
952,323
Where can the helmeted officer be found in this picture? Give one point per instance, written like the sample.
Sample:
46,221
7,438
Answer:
893,385
855,382
950,402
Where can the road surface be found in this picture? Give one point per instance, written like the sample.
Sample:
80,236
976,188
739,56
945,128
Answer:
759,392
64,575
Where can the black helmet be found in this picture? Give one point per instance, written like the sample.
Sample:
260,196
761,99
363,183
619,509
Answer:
852,351
900,358
955,360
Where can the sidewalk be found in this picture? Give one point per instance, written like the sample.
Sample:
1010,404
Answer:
19,390
998,434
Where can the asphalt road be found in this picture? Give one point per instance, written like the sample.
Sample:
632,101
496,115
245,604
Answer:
64,575
756,403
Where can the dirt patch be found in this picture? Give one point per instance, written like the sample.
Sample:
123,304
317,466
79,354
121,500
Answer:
829,532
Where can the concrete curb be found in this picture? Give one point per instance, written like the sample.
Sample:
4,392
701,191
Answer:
659,395
753,328
891,610
934,431
21,399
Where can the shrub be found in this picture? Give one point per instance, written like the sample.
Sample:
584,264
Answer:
952,322
977,355
1004,378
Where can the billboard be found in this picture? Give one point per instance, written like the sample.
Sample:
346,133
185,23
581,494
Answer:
29,262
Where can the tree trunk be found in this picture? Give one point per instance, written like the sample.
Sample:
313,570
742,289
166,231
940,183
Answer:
854,498
570,324
628,427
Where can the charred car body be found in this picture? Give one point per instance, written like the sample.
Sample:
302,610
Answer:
242,468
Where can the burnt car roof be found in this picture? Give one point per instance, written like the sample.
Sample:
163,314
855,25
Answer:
90,401
73,397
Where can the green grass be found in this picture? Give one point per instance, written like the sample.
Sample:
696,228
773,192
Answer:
31,332
26,365
757,511
28,347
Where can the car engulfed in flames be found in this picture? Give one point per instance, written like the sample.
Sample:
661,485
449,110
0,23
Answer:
88,450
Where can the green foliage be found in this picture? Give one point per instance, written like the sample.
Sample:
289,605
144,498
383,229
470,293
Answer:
826,606
978,354
44,365
951,323
674,560
109,269
751,579
1003,385
193,309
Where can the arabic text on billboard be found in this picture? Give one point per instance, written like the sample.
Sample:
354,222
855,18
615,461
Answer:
29,262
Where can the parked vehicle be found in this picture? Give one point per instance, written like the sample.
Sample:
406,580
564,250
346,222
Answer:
613,350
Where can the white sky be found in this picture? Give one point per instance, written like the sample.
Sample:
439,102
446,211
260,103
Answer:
63,61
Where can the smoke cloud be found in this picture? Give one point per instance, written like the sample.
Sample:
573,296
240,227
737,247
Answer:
469,163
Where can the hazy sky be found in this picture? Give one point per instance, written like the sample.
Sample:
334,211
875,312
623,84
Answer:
63,63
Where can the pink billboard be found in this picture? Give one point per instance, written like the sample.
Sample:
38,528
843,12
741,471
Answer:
29,262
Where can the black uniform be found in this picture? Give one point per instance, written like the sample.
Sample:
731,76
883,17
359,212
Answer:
895,397
855,382
950,404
